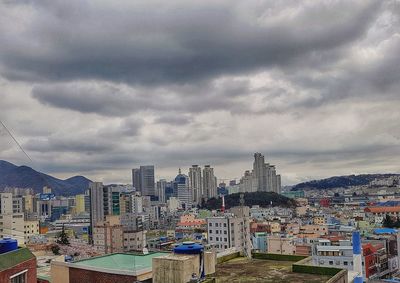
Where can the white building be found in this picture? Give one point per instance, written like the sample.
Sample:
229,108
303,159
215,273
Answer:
209,182
230,231
196,184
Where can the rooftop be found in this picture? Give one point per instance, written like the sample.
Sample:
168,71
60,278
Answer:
255,270
117,263
382,209
12,258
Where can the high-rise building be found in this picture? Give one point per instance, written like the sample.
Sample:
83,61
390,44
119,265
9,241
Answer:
260,172
136,179
209,182
265,175
96,203
184,193
160,191
143,180
196,184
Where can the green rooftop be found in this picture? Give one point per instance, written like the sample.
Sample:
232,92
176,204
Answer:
120,262
12,258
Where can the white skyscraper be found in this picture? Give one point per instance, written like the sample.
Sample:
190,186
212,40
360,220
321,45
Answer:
196,184
209,182
265,176
160,190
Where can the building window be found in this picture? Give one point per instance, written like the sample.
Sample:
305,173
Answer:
19,277
210,224
345,263
331,262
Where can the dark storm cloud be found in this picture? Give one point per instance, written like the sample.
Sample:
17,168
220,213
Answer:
100,87
177,41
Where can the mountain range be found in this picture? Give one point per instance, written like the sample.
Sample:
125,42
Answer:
340,182
26,177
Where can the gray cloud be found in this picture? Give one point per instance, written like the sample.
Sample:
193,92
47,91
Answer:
98,89
177,42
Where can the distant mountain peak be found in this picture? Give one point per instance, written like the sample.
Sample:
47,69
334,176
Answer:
25,177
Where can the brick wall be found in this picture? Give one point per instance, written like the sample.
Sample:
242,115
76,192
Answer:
31,273
88,276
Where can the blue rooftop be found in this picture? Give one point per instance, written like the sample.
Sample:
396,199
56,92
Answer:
385,231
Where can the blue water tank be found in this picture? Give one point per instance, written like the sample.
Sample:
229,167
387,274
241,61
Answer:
189,248
8,245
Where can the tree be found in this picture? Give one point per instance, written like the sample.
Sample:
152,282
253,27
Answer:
388,222
55,249
62,238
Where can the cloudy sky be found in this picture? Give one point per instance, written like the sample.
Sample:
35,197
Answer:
97,88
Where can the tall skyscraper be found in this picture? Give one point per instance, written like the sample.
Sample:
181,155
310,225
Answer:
143,180
160,192
264,174
96,205
184,193
136,179
196,184
209,182
260,172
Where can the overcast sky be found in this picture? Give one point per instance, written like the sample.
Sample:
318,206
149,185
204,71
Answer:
99,87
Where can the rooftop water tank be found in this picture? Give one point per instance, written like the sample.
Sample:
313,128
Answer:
189,248
8,245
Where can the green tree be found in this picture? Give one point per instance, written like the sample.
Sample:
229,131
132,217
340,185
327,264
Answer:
62,238
388,222
55,249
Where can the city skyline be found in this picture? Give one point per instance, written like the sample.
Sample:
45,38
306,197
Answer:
311,84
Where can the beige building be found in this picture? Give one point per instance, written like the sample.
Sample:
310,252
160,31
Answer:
314,229
275,227
134,240
28,203
108,235
79,204
278,245
14,225
319,220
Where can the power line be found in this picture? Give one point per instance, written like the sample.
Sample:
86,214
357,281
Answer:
15,140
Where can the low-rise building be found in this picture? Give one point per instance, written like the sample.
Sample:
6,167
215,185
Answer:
17,265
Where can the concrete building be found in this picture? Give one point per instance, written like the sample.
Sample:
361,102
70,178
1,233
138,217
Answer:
196,184
96,203
262,178
108,235
209,182
326,254
136,179
280,245
80,204
18,266
160,192
14,226
184,193
117,267
229,231
134,240
143,180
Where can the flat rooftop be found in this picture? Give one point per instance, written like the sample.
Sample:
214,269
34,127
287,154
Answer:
119,262
260,270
